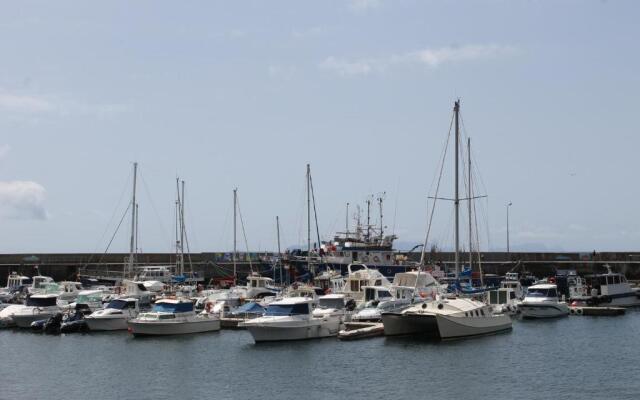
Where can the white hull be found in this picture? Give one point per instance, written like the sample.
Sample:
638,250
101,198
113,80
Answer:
25,320
106,324
156,328
455,327
273,332
543,310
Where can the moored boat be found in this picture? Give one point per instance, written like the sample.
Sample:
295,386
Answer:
172,317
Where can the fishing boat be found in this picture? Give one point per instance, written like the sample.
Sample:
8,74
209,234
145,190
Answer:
292,319
172,317
610,289
541,301
114,316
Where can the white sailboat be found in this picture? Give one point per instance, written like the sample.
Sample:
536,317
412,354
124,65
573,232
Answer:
448,318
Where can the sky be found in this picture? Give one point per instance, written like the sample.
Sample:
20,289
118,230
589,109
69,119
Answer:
243,94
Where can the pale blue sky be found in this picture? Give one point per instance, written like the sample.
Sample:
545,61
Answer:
245,93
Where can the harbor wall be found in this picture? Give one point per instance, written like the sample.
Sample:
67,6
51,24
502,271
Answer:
217,265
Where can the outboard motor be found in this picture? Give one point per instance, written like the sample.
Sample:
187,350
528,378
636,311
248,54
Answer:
52,325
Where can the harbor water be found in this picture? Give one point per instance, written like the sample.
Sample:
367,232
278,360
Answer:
573,357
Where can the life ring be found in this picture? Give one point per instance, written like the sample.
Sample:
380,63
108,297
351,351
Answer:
552,280
376,259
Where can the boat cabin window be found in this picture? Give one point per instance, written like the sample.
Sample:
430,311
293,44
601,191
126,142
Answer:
512,295
119,304
493,298
355,286
538,292
332,303
502,297
41,301
287,309
383,294
378,282
173,307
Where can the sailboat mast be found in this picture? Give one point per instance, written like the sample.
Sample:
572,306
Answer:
132,246
456,110
279,251
469,202
182,232
235,241
346,221
309,217
368,219
381,225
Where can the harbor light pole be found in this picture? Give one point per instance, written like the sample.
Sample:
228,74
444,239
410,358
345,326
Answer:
508,248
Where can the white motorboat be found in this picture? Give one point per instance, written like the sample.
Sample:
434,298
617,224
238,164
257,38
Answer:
37,307
39,284
114,316
334,304
446,318
359,276
292,319
173,317
376,300
541,301
14,283
611,290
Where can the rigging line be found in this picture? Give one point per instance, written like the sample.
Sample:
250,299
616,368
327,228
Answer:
444,150
113,214
124,215
153,205
186,238
474,162
244,233
223,231
315,212
444,157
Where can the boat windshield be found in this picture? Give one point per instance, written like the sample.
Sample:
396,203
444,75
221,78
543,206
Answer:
332,303
41,301
119,304
173,307
534,292
287,309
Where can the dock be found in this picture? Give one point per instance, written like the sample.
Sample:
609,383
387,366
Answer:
597,311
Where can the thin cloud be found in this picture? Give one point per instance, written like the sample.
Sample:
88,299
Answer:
430,58
22,200
24,104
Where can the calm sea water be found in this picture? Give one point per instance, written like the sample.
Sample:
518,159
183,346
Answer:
574,357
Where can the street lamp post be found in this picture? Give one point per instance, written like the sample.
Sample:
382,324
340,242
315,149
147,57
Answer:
508,248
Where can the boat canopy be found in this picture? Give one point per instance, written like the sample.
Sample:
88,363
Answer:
249,308
173,307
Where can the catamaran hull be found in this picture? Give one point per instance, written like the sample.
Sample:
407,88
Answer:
146,328
532,310
451,327
270,333
106,324
396,324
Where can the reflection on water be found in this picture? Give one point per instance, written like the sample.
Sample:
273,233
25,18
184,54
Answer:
574,357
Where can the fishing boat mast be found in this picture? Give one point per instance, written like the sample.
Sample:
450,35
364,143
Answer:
470,190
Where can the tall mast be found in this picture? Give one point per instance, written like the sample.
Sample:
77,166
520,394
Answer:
235,241
346,222
182,232
469,201
368,219
132,245
309,217
456,110
279,252
381,226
